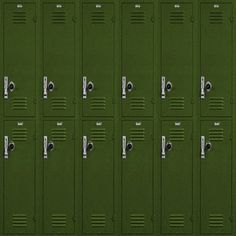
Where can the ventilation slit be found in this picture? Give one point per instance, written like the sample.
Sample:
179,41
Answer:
216,17
137,17
19,18
97,18
58,17
176,17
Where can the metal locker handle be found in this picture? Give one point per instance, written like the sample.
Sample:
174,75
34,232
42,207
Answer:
163,87
45,87
85,142
5,87
6,147
124,87
124,143
203,141
202,87
45,147
163,147
84,87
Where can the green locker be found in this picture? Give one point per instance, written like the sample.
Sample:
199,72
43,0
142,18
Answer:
176,177
19,59
19,177
58,59
137,177
58,177
216,59
98,177
216,177
137,59
176,59
98,59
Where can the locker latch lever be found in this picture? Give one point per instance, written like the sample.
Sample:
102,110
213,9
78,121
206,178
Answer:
163,147
8,86
87,146
165,87
126,87
124,143
47,87
47,147
206,86
87,87
203,141
6,147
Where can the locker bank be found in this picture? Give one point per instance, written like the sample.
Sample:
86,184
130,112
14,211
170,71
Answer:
117,117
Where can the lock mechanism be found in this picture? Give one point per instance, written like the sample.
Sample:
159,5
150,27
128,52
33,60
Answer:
165,87
168,146
51,86
126,86
87,87
47,87
165,147
129,146
8,87
129,86
88,146
168,86
206,87
126,147
8,147
47,147
205,147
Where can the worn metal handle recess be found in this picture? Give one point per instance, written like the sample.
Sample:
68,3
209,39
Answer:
6,143
163,87
163,147
45,87
45,147
84,87
203,142
85,143
5,87
202,87
124,143
124,87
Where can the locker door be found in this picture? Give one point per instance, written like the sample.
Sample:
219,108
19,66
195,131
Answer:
137,59
58,59
19,177
98,177
216,59
98,59
216,177
177,59
58,177
19,59
137,177
177,177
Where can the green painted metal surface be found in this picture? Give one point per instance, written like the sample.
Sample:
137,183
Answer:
120,119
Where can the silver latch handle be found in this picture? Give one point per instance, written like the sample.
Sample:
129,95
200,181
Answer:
5,87
163,147
45,147
124,87
84,87
85,143
6,141
163,87
124,143
203,142
45,87
202,87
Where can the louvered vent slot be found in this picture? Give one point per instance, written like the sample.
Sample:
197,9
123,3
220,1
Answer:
19,134
216,17
19,17
98,220
98,18
216,134
137,17
176,134
19,220
137,103
137,134
177,17
58,17
216,220
176,220
137,220
58,134
98,103
19,103
58,220
59,104
98,134
177,103
216,103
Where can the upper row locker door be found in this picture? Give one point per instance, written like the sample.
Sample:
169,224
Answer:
19,59
98,59
176,59
58,59
216,59
137,59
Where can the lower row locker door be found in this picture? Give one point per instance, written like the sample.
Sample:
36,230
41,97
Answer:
98,177
137,177
19,177
58,177
216,177
176,177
